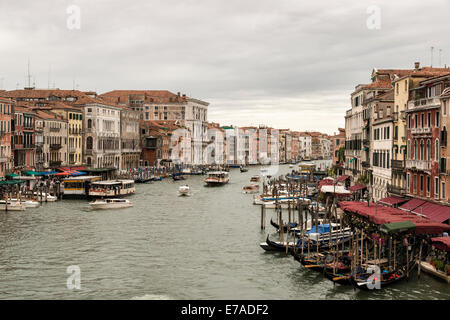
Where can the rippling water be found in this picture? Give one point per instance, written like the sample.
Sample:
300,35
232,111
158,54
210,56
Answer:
166,247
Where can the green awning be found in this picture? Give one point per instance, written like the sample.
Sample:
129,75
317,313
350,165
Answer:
395,146
32,173
10,182
396,227
12,175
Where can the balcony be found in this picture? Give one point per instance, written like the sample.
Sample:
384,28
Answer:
55,129
55,146
55,163
88,152
423,104
72,150
397,164
365,164
425,130
424,165
396,190
3,159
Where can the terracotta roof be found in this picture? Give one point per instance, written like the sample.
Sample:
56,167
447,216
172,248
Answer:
48,115
388,95
383,83
148,96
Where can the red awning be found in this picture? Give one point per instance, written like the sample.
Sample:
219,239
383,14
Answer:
381,215
342,178
435,212
392,201
411,204
357,187
442,243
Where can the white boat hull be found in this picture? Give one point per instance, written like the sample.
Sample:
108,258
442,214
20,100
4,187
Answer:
101,206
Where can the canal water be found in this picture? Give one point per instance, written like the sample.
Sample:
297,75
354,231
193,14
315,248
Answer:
205,246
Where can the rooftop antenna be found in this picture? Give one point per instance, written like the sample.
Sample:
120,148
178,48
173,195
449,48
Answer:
440,57
432,48
28,74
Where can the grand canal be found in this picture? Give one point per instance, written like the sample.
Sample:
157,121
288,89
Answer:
166,247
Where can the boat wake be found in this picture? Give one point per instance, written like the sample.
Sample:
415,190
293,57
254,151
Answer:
152,297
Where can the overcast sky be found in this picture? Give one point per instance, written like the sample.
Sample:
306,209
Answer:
284,63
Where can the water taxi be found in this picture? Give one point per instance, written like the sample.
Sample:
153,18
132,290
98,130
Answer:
183,190
27,203
217,178
45,197
112,188
11,206
110,204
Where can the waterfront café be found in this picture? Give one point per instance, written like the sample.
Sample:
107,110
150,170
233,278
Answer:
373,215
433,211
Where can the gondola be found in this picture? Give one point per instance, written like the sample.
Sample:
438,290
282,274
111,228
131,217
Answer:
142,180
285,227
270,245
243,169
339,278
362,281
178,178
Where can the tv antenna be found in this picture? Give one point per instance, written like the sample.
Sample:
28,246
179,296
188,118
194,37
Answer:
432,48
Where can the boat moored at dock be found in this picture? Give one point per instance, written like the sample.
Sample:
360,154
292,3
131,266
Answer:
112,188
11,206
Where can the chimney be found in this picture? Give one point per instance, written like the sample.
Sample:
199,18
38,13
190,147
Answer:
178,93
417,65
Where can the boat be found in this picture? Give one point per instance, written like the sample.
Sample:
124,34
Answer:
110,204
142,180
326,262
252,188
312,239
243,169
365,281
78,186
291,166
285,227
11,206
27,203
43,197
217,178
112,188
158,178
254,179
183,190
178,177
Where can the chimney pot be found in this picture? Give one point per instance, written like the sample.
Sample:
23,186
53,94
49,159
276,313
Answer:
416,65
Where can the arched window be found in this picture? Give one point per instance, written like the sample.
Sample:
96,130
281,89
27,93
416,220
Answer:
421,150
89,143
89,123
415,149
428,150
408,150
89,161
436,150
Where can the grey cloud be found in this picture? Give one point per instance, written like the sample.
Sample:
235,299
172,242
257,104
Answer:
274,62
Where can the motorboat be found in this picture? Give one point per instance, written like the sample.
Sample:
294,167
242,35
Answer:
27,203
11,206
254,179
252,188
217,178
183,190
43,197
110,204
